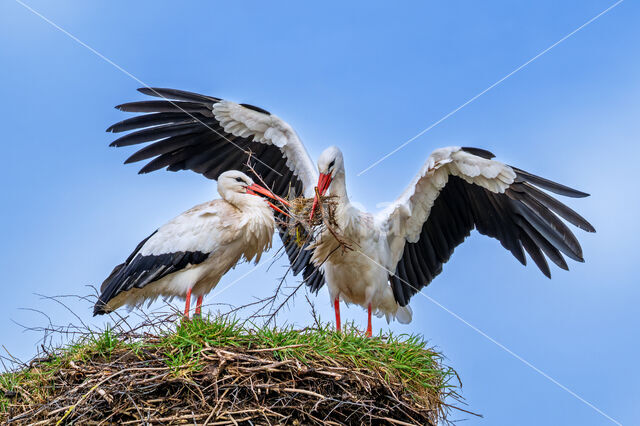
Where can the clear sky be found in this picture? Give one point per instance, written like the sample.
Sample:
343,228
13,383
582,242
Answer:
364,76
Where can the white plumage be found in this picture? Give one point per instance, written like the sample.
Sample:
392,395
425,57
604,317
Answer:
270,130
406,245
189,254
404,218
396,252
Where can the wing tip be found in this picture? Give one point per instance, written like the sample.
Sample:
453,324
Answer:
99,308
152,91
116,128
587,227
118,143
580,194
549,185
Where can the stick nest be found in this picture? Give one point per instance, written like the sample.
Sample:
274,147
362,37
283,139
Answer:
216,373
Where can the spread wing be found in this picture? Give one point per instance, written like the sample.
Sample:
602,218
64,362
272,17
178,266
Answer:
190,131
459,189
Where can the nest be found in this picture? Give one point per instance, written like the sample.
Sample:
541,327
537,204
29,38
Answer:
301,226
172,383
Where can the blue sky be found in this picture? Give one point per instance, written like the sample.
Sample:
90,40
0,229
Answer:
365,77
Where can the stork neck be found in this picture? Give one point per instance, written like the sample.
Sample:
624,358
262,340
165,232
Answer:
338,187
244,202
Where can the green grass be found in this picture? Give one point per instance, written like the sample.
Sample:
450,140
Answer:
400,359
403,357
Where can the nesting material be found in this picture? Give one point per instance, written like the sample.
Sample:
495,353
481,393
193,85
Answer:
219,373
326,210
302,224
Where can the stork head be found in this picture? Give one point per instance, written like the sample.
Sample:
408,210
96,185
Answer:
233,182
330,164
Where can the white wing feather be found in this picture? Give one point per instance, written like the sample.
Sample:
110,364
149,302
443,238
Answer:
403,219
270,130
203,228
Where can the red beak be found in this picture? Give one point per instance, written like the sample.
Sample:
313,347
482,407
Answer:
323,184
255,189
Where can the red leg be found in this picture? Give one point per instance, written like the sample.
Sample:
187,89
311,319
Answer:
187,304
369,328
336,308
199,306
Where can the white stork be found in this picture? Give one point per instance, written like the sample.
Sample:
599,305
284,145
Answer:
400,250
189,254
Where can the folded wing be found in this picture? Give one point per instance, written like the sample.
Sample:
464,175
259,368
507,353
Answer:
185,241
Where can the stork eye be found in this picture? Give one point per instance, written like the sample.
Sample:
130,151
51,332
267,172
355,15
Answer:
239,179
331,164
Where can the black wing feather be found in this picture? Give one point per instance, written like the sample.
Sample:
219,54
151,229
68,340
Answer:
187,108
522,219
554,205
148,120
165,146
155,133
522,176
536,254
483,153
180,95
184,135
138,271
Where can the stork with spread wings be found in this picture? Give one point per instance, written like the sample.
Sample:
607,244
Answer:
397,252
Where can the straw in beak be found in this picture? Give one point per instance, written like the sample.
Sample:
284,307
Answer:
324,180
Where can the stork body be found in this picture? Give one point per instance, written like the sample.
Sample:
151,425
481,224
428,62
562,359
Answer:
396,252
401,249
190,254
355,275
